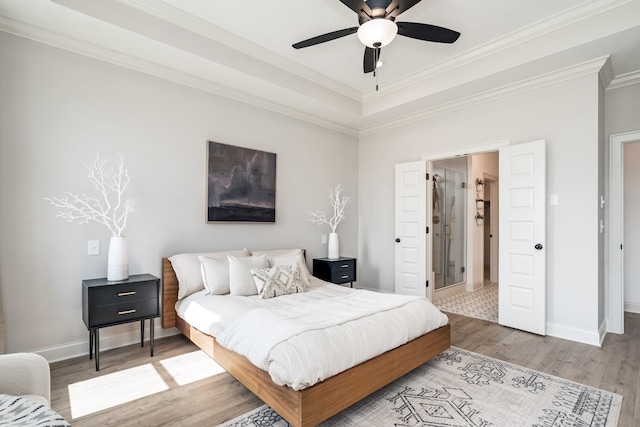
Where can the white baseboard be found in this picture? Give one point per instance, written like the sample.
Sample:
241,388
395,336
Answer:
632,307
474,286
573,334
602,331
81,348
448,291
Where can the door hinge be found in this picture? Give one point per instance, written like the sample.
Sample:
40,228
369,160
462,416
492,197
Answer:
427,177
427,230
427,283
462,270
464,185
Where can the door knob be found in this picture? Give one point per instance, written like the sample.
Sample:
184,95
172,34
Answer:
538,246
397,240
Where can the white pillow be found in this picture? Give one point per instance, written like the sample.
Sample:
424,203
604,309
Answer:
286,252
292,258
240,280
277,281
187,269
215,275
275,252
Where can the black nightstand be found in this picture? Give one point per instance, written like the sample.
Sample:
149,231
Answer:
339,270
107,303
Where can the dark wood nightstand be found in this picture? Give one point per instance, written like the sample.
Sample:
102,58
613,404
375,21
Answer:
339,270
107,303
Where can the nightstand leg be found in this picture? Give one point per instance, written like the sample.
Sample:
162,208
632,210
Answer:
151,335
90,344
96,339
142,333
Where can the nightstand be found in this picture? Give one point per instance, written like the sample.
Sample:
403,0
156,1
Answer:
106,303
339,270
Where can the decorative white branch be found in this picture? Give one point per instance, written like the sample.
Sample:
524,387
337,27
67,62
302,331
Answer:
339,204
108,209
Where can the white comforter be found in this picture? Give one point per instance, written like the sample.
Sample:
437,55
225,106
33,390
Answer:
304,344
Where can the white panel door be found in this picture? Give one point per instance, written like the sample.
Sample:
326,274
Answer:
522,281
410,226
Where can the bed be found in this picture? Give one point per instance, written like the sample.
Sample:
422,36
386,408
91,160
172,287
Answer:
314,404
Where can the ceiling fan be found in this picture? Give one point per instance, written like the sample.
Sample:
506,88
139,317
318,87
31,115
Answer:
378,27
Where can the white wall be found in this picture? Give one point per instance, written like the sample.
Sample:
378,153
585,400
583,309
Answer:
58,109
565,114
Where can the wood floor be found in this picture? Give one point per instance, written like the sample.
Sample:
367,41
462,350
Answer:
208,402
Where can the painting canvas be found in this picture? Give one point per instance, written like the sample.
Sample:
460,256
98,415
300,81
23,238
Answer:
241,184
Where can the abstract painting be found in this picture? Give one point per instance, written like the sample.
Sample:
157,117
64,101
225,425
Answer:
241,184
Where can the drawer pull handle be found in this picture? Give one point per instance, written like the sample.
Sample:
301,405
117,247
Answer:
126,312
345,265
345,277
126,294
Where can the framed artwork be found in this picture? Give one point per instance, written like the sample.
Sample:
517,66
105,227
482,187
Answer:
241,184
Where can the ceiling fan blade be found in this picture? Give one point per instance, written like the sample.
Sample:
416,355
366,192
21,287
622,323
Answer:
358,6
396,7
371,56
427,32
325,37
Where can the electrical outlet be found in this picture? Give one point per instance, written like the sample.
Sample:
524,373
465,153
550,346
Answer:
324,239
93,247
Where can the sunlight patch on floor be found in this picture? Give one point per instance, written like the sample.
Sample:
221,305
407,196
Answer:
191,367
107,391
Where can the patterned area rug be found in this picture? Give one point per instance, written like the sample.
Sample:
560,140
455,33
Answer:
481,304
465,389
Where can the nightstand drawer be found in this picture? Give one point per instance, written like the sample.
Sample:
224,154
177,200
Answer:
339,267
339,277
124,312
123,293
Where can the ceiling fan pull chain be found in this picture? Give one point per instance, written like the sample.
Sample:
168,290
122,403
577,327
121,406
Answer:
375,65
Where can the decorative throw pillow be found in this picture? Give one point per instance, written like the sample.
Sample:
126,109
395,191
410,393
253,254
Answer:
215,275
187,269
292,258
240,279
277,281
287,253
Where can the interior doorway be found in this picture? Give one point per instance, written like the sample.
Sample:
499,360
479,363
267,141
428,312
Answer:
615,288
522,229
466,282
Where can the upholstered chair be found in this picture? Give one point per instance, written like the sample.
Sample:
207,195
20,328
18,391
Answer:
26,375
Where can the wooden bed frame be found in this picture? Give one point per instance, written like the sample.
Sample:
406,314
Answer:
310,406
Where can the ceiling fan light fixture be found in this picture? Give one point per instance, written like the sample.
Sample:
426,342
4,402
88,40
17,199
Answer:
377,32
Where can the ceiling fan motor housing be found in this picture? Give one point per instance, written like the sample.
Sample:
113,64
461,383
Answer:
378,10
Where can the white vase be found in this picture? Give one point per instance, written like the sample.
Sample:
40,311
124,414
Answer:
117,262
334,246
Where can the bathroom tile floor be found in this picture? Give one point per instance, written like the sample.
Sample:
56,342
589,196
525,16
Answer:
480,304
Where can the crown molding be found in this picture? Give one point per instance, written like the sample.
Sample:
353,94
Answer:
623,80
568,73
533,31
184,20
606,73
50,38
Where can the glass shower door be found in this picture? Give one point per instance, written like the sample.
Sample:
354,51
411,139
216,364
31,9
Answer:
449,208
